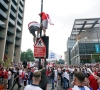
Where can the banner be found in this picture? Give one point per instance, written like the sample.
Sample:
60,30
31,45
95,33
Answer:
97,47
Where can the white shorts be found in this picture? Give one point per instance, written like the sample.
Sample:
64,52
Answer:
45,24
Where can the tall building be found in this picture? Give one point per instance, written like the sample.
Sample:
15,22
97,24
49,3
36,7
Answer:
70,43
11,27
87,35
65,56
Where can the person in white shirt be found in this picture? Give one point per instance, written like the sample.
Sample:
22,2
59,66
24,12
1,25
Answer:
20,76
55,76
9,78
65,79
34,26
36,79
79,78
59,72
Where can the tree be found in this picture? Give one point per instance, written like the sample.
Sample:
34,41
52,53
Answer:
6,63
27,55
96,56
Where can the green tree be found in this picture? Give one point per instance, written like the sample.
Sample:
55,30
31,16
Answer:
27,55
23,55
96,56
6,63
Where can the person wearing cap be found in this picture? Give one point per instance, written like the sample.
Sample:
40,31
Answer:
33,27
36,79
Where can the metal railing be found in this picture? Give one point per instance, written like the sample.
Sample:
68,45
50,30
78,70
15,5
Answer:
16,1
20,13
19,28
22,2
7,1
3,13
12,21
21,7
13,13
17,43
2,24
20,21
10,30
1,35
14,6
4,4
9,39
18,35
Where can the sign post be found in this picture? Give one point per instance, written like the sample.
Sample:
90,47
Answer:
41,29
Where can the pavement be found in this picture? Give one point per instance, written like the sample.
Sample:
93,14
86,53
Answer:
58,87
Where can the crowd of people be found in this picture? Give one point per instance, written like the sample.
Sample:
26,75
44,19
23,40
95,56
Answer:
84,77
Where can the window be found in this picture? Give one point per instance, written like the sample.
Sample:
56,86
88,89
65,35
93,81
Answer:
6,49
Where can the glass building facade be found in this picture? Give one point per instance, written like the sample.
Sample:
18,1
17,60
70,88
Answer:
83,52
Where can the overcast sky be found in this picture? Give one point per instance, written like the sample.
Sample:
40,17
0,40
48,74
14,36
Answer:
62,13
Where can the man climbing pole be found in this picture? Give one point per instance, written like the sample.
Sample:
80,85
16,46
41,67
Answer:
33,27
45,19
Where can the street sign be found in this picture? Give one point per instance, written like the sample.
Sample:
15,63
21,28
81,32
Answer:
39,49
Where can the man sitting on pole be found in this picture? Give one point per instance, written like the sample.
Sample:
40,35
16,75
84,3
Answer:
34,26
45,19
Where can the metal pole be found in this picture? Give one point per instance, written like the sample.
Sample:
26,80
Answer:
45,63
41,28
41,17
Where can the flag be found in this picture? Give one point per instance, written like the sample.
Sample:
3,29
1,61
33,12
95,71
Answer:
33,23
46,16
49,20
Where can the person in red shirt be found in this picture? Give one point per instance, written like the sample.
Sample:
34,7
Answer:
44,18
1,75
6,78
93,81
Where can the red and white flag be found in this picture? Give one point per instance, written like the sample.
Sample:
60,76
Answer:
33,23
49,20
47,17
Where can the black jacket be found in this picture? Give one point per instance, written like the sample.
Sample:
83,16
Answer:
31,75
52,75
44,79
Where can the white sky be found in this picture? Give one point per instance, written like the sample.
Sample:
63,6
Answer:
62,13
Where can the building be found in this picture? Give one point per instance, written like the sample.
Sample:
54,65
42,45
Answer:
53,56
87,35
65,56
83,52
11,27
70,43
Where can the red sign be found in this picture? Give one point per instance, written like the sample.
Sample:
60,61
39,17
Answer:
39,49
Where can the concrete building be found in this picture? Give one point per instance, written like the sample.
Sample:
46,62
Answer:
11,27
65,56
87,35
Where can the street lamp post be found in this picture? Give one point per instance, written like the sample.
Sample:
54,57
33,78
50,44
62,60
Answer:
41,28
